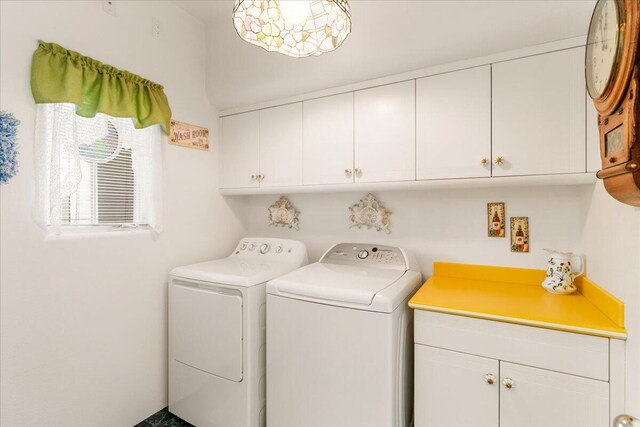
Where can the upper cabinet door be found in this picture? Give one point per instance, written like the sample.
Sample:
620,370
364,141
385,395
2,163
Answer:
455,389
328,140
453,127
281,145
239,150
539,114
539,397
385,143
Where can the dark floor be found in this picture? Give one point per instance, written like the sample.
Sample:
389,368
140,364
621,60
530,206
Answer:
163,418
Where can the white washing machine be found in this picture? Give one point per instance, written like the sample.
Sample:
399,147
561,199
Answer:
339,341
217,333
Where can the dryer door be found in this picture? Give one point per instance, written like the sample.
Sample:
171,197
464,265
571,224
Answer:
206,328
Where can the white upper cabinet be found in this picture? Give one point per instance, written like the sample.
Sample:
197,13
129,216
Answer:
281,146
328,140
385,143
453,127
539,114
239,150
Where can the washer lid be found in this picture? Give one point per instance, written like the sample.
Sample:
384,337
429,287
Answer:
334,282
230,271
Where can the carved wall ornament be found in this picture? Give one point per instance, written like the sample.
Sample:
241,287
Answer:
283,213
371,213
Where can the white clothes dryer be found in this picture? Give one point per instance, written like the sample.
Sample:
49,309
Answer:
217,333
339,341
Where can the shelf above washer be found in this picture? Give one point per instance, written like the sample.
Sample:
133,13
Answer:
462,183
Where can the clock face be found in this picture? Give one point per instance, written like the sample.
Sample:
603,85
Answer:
602,47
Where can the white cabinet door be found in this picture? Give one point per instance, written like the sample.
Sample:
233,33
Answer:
539,114
239,150
328,140
551,399
453,127
385,143
281,145
451,389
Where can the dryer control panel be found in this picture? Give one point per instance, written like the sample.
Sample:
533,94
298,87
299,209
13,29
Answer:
263,248
366,254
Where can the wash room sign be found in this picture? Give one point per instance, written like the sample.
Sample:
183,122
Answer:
190,136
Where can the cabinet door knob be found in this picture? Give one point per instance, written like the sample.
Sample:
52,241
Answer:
347,171
260,177
499,160
508,382
490,378
253,177
357,170
484,161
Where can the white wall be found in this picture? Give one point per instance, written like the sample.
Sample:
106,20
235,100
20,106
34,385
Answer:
438,225
84,319
451,226
611,243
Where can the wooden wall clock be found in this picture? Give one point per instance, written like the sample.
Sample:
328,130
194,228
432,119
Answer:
611,67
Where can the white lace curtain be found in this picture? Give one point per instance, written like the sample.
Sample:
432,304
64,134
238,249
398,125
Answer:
59,134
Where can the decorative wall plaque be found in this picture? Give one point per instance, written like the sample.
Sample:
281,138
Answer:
283,213
519,234
496,219
371,213
190,136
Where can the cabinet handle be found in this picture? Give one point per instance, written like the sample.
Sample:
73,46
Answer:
358,171
499,160
508,382
484,161
260,177
490,378
626,421
253,177
347,171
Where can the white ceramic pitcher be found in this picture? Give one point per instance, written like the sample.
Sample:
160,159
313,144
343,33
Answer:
561,272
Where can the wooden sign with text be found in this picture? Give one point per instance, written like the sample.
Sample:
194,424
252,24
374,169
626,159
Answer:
190,136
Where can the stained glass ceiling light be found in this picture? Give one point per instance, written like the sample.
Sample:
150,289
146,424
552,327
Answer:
295,28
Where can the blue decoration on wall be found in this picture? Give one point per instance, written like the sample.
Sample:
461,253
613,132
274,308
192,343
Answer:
8,146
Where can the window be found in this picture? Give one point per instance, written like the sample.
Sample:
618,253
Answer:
98,171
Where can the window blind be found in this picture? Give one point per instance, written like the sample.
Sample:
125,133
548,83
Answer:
97,171
107,189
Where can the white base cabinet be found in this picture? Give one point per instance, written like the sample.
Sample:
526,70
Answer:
476,373
539,397
454,389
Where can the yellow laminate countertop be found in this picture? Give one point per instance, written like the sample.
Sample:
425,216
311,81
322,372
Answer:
515,295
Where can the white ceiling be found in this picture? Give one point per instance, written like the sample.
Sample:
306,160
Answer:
387,37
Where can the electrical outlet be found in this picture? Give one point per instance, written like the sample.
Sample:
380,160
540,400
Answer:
109,7
155,27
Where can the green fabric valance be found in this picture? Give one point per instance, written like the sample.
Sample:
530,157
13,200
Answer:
61,75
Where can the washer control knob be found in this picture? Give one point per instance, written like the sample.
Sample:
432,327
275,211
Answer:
363,254
264,248
252,246
243,246
279,249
